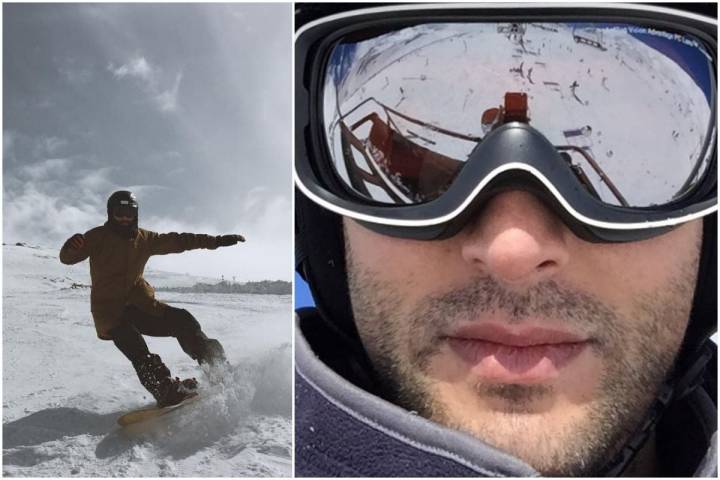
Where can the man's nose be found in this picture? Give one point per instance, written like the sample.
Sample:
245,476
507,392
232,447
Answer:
517,240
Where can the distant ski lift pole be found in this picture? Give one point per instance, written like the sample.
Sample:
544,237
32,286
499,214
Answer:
511,29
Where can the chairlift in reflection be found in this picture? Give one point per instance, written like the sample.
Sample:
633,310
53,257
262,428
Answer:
406,165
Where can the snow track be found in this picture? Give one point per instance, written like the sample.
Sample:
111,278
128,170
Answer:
63,389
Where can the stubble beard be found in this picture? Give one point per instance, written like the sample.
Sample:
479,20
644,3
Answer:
637,356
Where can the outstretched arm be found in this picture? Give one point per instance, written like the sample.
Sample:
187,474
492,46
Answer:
228,240
74,250
164,243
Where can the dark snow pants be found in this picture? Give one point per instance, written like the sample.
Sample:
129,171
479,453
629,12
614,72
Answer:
176,322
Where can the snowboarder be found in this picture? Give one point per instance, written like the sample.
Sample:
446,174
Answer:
123,304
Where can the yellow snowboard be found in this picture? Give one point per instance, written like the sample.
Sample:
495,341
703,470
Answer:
145,414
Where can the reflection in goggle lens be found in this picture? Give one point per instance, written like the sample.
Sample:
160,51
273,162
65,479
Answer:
629,108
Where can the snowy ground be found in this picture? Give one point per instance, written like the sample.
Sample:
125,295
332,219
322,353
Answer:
63,389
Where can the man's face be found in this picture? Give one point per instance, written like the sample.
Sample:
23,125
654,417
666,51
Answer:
123,220
124,215
518,332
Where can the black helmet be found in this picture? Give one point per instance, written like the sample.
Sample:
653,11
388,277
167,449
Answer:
125,203
122,198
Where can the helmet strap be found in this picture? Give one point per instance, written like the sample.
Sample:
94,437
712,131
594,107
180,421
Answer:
670,391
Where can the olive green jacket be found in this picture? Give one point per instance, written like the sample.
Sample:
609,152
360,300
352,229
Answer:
116,269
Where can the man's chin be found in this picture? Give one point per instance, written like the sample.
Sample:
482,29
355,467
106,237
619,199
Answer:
551,424
534,423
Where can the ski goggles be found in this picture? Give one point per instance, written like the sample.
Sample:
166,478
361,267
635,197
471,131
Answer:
125,210
410,118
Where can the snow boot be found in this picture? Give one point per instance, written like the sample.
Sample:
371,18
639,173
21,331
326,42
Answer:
173,391
155,377
189,383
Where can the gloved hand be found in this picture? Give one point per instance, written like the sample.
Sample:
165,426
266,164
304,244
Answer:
227,240
77,241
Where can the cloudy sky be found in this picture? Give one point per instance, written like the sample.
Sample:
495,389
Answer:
186,105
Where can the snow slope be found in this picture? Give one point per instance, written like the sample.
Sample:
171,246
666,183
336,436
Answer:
63,389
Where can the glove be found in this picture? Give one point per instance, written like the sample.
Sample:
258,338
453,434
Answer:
77,241
227,240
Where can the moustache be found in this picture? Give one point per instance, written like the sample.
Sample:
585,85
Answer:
581,312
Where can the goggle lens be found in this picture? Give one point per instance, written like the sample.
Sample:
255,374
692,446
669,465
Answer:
629,108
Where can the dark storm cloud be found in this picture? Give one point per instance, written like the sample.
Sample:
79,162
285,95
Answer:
189,105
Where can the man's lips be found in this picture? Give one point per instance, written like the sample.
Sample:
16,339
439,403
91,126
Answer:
529,354
518,337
